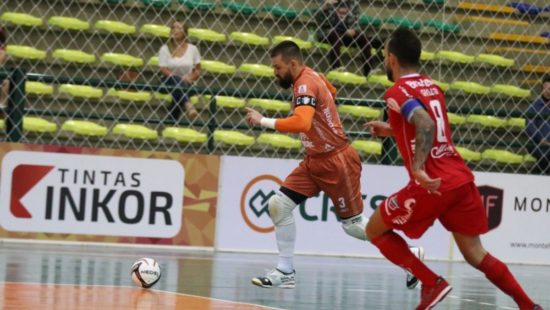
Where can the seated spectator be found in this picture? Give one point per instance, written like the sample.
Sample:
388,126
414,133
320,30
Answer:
179,63
5,84
339,27
539,129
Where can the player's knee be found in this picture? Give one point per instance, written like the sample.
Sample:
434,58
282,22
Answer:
280,209
355,226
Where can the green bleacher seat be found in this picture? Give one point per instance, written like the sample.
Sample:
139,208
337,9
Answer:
269,104
240,8
186,135
206,35
455,119
115,26
426,56
122,59
444,86
73,56
201,5
194,100
468,154
81,91
358,111
127,95
156,30
70,23
85,128
453,56
368,147
365,20
486,120
379,79
217,67
21,19
153,61
38,88
157,3
279,141
341,77
25,52
323,46
305,45
38,125
227,102
134,131
280,11
530,159
257,70
516,122
495,60
510,90
502,156
249,38
163,97
470,87
404,22
231,137
442,26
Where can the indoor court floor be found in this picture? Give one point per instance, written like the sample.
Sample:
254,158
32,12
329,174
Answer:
69,277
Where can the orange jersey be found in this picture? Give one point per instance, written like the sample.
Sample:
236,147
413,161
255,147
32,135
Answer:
326,133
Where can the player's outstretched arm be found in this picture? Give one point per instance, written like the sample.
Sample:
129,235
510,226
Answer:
379,129
300,121
424,138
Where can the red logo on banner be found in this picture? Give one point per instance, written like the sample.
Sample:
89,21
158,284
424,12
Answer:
24,178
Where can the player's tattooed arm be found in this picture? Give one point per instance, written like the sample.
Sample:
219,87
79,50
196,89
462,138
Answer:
424,138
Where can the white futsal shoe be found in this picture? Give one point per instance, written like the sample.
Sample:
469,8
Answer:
276,278
412,281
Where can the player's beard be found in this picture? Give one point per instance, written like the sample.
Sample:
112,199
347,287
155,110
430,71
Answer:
285,81
389,73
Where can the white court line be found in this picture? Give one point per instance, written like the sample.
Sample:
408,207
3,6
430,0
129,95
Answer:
134,287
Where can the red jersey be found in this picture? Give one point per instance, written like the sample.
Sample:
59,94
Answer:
443,161
326,133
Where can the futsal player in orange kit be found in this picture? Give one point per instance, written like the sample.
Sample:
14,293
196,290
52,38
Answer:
441,185
330,165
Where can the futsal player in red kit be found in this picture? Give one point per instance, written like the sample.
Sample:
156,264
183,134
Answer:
441,186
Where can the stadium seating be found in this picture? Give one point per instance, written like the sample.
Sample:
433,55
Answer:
186,135
279,141
368,147
21,19
69,23
231,137
134,131
84,128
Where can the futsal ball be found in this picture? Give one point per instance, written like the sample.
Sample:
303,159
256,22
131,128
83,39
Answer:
145,272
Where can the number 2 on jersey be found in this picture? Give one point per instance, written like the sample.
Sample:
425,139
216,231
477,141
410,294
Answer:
435,105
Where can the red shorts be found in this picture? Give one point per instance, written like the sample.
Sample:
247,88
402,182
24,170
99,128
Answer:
338,174
413,210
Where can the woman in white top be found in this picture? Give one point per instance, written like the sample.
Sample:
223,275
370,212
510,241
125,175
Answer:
179,63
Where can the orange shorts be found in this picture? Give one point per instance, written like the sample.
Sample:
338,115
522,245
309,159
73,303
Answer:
337,174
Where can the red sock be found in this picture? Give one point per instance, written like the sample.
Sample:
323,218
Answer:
497,272
395,249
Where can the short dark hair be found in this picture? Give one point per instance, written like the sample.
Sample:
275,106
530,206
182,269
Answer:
406,46
546,78
288,50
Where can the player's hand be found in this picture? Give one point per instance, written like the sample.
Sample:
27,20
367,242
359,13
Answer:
253,117
431,185
379,129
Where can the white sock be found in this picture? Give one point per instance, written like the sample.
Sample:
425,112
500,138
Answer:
286,237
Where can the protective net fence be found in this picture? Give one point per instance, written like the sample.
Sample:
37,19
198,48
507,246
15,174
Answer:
489,57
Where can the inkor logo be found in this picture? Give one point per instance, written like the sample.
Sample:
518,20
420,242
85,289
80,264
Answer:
25,177
493,199
254,202
68,193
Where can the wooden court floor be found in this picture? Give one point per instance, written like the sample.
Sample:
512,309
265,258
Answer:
67,277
